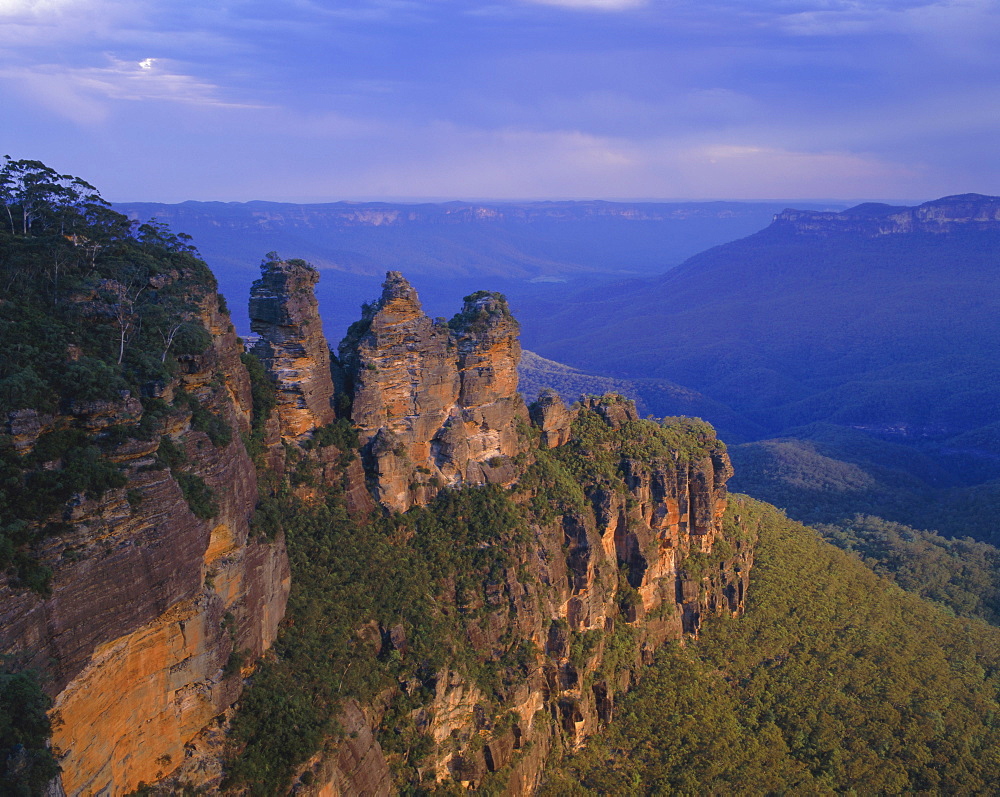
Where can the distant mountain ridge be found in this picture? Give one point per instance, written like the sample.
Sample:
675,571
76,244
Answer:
945,215
525,240
453,248
877,318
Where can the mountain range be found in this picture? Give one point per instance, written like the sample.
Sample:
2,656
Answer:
451,249
851,354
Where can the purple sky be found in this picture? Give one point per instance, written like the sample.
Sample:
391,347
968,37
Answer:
304,100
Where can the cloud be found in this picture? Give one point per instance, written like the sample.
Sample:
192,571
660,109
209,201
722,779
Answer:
82,94
33,8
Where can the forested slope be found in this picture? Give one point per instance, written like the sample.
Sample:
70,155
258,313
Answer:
836,680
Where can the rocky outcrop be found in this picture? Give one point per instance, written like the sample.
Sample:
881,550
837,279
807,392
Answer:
949,214
587,601
552,419
150,601
435,403
158,601
284,312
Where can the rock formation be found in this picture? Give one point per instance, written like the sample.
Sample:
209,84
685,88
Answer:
552,418
435,403
284,312
158,601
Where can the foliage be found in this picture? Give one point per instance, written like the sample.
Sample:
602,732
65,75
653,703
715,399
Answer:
961,574
264,398
835,680
92,306
340,434
204,420
92,302
888,503
477,314
199,496
597,451
403,571
26,764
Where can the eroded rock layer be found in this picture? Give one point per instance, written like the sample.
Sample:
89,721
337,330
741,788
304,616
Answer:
162,596
435,403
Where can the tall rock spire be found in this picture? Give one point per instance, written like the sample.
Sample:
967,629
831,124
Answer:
284,312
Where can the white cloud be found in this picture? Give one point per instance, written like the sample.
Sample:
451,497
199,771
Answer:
28,8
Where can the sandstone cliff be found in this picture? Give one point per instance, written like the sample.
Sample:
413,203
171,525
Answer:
435,403
586,538
152,594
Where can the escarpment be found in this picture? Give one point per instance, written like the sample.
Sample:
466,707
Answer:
558,618
435,403
960,213
473,585
159,590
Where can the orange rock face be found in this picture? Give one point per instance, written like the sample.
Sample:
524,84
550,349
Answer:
284,312
435,404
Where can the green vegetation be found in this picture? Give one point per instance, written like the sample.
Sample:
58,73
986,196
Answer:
92,304
595,455
960,574
26,765
835,680
847,484
354,585
93,309
202,420
340,433
264,399
473,318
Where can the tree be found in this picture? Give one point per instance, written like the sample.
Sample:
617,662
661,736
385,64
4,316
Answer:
37,199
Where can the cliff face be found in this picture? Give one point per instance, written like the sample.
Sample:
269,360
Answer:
435,404
948,214
149,600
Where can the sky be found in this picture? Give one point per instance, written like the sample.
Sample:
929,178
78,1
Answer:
323,100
